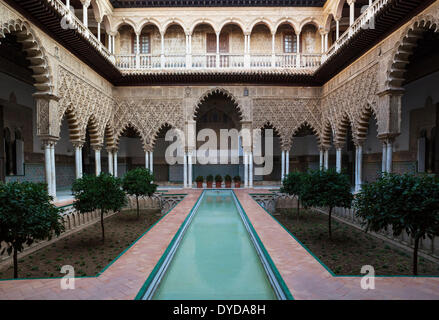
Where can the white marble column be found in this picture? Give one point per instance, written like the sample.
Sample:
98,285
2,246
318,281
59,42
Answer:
115,163
147,159
326,42
137,50
97,150
109,43
52,170
245,169
188,51
85,5
189,163
298,50
351,11
162,50
358,167
110,161
282,172
326,159
150,161
48,167
389,156
287,162
185,170
338,159
78,160
273,50
321,159
113,46
384,158
250,170
68,4
218,49
99,31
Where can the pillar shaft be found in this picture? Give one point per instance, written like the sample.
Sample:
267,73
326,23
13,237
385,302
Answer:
338,160
98,161
384,158
52,170
110,162
287,162
185,170
282,173
250,176
389,154
189,161
150,161
115,163
326,159
321,159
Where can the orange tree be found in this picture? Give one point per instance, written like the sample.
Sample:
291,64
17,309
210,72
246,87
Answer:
405,202
293,185
103,193
138,182
326,188
26,214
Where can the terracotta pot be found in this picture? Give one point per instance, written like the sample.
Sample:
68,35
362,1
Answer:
228,184
218,184
199,184
237,184
209,184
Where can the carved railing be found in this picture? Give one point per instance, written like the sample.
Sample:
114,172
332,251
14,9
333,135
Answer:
362,22
72,22
221,61
272,202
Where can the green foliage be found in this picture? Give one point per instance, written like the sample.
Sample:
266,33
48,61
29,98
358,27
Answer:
405,202
227,178
26,214
236,179
218,178
101,192
292,184
199,179
139,182
209,178
326,188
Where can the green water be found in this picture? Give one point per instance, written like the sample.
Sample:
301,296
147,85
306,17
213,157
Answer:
216,258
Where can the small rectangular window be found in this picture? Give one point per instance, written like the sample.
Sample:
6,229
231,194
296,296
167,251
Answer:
290,45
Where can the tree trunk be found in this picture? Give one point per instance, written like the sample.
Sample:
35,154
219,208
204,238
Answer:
102,225
415,256
329,222
15,263
137,201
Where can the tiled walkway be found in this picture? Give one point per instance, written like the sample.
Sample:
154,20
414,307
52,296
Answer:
305,276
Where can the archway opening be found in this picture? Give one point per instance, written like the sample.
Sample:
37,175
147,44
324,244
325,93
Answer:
130,150
304,151
218,123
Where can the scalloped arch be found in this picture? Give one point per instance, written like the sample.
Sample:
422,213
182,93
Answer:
223,92
35,53
404,49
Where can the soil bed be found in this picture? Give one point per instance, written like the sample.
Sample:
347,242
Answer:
84,249
349,248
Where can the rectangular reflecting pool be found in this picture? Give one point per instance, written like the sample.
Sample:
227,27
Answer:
214,256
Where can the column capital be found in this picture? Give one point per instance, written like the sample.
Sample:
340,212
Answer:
97,147
85,3
387,137
48,141
111,149
78,144
350,2
339,145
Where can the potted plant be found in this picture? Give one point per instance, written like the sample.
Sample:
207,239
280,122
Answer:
199,180
228,181
237,181
209,180
218,181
